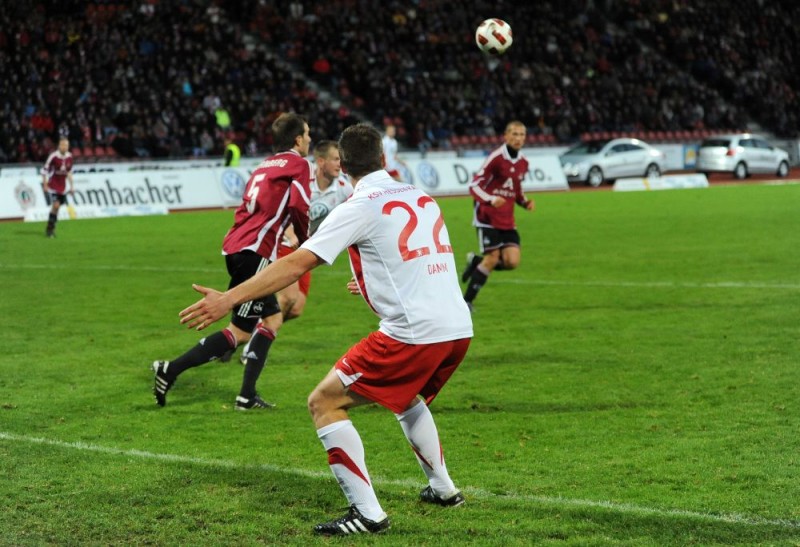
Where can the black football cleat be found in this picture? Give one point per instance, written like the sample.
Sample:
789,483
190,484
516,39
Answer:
429,496
352,523
255,402
162,382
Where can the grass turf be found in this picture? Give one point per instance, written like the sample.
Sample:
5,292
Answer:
634,382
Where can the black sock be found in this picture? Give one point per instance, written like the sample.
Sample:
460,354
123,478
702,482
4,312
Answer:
256,359
51,222
467,273
207,349
477,281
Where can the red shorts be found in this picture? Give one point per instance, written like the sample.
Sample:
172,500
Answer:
305,280
392,373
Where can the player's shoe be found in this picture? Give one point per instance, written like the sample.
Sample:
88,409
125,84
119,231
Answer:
472,262
162,382
429,496
352,523
252,403
50,233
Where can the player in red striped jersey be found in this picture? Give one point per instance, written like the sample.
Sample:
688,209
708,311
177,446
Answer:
276,196
56,172
329,188
495,189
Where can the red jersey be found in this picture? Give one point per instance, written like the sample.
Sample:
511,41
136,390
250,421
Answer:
276,194
56,169
501,175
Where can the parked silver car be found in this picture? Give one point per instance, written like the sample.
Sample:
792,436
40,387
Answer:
596,161
741,154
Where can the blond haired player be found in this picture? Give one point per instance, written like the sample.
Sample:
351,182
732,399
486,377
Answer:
495,189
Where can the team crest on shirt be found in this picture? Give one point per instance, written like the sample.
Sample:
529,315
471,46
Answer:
25,196
318,210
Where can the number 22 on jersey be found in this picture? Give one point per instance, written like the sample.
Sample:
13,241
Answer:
411,225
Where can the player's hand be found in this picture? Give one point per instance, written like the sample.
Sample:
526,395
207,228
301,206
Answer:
211,308
352,286
498,201
531,205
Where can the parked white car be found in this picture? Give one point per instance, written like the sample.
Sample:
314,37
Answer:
741,154
594,162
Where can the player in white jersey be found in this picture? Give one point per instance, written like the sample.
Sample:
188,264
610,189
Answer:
401,258
393,162
329,188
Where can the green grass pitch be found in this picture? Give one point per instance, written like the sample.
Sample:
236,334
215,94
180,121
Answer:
634,382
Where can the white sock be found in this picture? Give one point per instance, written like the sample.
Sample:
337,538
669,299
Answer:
346,458
420,430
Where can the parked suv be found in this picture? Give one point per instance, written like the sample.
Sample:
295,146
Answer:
741,154
594,162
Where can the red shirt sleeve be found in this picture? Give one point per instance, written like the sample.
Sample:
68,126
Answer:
480,181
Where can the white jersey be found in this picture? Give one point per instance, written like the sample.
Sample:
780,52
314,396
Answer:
323,201
401,257
390,152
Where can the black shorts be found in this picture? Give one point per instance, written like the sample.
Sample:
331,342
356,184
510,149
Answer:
490,239
60,198
241,267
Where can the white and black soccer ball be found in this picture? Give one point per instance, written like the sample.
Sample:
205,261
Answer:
494,36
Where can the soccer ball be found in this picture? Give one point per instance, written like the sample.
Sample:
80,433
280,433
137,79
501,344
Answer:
493,36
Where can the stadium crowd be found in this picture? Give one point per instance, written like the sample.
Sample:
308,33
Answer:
748,51
149,79
157,78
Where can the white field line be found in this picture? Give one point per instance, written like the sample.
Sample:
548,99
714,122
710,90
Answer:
625,508
495,279
654,284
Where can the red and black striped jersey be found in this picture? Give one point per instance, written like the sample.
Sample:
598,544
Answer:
501,175
56,169
277,193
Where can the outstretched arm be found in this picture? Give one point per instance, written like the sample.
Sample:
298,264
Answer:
215,304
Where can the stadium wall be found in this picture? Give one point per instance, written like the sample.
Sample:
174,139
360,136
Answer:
117,189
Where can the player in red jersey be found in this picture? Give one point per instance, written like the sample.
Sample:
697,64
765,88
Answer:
495,189
328,189
401,257
56,172
276,196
